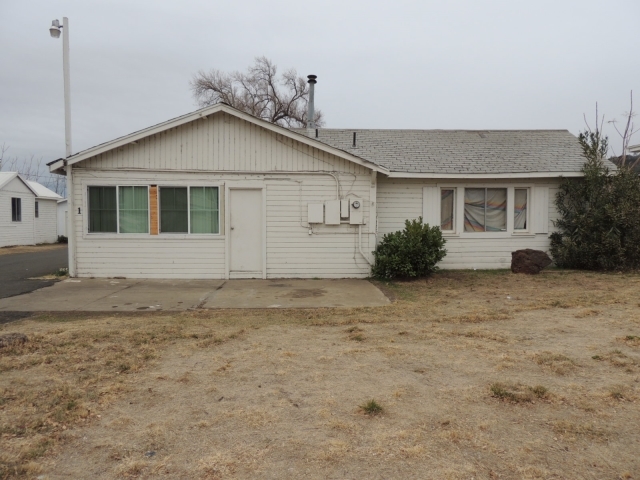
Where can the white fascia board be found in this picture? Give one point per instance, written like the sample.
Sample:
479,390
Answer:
57,167
203,113
485,175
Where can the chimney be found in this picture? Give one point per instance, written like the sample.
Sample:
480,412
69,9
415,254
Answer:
311,124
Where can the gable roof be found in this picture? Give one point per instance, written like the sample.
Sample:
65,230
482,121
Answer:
6,177
57,166
42,191
451,153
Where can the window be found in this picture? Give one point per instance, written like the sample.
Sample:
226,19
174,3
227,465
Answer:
189,210
174,210
103,212
133,209
204,210
446,210
485,209
37,210
16,209
520,209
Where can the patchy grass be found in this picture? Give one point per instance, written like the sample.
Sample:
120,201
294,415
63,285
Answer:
233,393
372,408
517,393
556,362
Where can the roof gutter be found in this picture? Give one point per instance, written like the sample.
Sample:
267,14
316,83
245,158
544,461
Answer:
471,176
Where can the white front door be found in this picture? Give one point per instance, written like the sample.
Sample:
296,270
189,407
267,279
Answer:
246,233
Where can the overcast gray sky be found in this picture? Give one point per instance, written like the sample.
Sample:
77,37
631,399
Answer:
474,64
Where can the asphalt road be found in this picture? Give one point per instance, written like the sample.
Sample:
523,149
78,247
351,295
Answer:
17,268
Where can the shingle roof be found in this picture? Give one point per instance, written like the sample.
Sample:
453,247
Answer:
461,151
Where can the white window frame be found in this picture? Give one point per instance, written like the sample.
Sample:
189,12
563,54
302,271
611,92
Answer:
188,187
522,231
458,216
87,208
454,230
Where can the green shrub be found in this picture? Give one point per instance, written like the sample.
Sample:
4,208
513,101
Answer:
409,253
599,224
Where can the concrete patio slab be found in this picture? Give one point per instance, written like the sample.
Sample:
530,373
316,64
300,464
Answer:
120,295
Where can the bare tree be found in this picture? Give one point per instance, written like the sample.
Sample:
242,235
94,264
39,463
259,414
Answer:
32,169
625,135
259,92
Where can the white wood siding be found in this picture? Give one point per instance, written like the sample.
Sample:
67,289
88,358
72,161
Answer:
16,233
214,152
402,199
221,142
46,225
62,218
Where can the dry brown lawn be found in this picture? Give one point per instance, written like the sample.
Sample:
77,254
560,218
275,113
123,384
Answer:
479,375
31,248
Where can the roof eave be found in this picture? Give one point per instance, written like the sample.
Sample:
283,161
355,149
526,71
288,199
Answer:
471,176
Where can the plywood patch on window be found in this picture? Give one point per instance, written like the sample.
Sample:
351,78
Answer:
153,208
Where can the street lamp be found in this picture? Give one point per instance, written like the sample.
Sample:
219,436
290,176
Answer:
54,30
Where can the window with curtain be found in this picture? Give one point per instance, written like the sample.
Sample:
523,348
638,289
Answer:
103,212
204,210
16,209
133,208
174,210
485,209
446,209
520,209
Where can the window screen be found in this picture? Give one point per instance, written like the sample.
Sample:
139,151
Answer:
205,212
520,209
446,210
102,209
174,210
16,209
485,209
133,205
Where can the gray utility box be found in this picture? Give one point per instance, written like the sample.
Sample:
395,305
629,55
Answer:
356,211
332,212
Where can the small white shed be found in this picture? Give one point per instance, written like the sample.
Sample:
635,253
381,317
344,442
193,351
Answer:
28,211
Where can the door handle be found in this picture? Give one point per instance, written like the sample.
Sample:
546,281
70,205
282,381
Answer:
231,228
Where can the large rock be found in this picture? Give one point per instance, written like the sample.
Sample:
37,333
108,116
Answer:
529,261
11,339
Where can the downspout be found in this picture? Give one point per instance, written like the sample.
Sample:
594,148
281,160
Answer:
360,245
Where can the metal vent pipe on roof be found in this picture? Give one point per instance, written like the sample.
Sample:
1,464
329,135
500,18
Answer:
354,139
311,124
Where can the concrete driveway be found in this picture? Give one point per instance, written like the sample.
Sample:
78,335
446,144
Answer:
113,295
18,269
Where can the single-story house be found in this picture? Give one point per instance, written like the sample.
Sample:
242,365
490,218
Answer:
218,193
28,211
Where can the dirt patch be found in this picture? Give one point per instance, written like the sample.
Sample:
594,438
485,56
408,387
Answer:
30,248
305,293
454,379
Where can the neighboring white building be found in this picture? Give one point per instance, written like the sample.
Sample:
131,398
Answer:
221,194
28,211
63,215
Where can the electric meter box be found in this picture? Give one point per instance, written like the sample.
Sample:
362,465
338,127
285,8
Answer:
332,212
356,211
315,213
